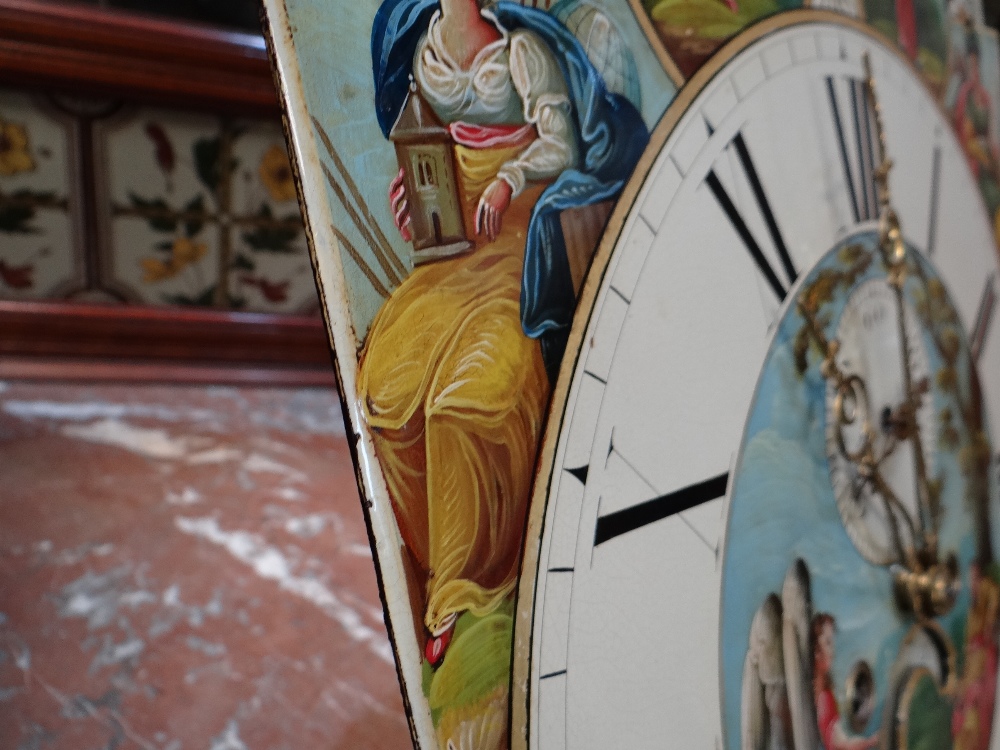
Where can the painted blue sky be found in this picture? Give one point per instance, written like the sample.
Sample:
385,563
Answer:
783,507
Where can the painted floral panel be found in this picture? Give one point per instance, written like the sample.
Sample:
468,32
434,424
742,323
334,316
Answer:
160,200
200,210
270,257
39,250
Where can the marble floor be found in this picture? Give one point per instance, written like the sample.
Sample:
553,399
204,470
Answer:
186,568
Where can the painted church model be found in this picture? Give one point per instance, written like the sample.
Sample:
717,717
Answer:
424,149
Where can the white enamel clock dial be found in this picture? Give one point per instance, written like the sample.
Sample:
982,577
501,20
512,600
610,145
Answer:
762,167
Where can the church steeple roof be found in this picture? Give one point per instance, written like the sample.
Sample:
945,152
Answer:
417,121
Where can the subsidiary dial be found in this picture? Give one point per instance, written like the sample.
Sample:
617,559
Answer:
869,336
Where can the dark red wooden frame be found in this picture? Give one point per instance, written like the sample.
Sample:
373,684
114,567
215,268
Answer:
86,341
80,49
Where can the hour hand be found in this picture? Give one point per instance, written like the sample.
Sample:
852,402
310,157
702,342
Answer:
901,423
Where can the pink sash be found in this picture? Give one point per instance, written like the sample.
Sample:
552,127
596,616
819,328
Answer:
491,136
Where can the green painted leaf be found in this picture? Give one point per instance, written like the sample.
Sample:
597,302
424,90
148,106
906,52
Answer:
243,263
205,298
192,226
39,196
273,235
206,153
159,216
15,218
477,662
207,157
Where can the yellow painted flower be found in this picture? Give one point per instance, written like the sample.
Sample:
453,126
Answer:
276,174
15,153
154,269
187,251
183,253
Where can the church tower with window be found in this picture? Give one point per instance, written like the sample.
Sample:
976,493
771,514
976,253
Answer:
425,152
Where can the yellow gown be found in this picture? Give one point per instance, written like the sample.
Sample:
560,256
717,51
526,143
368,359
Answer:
455,394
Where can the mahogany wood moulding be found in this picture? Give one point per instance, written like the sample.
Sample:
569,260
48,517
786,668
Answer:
87,341
81,51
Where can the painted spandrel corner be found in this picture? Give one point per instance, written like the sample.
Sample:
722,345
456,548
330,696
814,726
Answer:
459,162
472,156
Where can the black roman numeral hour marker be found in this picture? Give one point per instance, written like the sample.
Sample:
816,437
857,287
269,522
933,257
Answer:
935,193
580,472
859,172
740,225
984,317
629,519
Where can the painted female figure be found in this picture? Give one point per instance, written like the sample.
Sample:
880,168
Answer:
831,731
973,111
457,366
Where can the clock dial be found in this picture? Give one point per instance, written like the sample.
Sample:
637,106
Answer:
847,7
797,514
764,167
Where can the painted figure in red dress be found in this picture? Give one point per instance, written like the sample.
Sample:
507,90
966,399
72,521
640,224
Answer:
971,721
831,730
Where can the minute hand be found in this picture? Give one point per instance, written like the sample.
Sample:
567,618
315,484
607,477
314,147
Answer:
914,394
894,254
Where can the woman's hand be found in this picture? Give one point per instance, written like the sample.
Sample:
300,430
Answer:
489,214
400,206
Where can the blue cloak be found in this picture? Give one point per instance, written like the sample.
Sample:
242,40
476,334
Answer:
609,130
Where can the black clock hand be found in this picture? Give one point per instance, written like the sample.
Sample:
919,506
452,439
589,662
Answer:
620,522
629,519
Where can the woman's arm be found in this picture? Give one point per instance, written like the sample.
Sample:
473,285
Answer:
540,84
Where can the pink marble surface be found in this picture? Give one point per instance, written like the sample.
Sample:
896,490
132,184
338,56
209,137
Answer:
185,568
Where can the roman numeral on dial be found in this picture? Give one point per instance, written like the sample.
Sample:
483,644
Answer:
740,225
984,317
932,210
856,141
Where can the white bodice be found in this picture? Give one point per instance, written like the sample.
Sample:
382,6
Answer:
511,81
